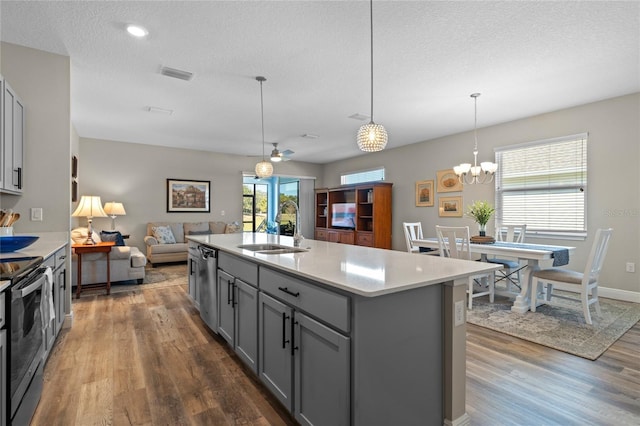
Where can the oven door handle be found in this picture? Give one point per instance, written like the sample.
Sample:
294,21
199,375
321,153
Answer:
25,291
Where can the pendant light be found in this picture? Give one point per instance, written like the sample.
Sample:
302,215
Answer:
264,168
468,174
372,137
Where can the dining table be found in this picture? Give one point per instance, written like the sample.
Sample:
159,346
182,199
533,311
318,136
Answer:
532,254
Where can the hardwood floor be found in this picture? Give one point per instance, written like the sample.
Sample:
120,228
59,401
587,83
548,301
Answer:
146,358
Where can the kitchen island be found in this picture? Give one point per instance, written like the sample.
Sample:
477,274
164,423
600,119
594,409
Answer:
345,334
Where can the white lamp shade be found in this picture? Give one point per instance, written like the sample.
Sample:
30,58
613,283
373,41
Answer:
89,206
114,209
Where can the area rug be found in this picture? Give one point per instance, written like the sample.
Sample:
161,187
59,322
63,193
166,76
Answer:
557,327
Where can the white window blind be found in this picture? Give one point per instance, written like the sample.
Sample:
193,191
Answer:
362,176
543,185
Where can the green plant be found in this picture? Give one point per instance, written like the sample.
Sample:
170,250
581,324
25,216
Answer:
480,211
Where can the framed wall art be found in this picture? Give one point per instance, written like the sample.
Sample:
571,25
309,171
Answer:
188,196
448,181
450,206
424,193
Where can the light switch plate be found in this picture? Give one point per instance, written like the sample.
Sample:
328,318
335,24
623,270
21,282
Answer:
36,214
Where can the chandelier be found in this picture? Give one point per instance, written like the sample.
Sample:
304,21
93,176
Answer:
264,168
372,137
475,174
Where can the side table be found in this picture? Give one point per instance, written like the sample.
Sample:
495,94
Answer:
80,249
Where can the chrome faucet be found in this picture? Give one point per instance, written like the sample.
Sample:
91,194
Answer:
297,235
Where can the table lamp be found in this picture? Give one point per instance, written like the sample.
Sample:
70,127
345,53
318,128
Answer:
114,209
89,206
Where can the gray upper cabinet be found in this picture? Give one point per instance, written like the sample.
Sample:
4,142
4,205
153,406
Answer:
12,132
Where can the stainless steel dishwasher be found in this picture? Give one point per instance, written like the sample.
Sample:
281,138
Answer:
208,287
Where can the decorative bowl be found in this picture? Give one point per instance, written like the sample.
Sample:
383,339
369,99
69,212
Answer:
16,242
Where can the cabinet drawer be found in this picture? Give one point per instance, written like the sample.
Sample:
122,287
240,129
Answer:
330,307
60,257
365,239
321,235
50,262
239,268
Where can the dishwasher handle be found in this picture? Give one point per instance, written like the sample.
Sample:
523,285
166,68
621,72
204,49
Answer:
207,253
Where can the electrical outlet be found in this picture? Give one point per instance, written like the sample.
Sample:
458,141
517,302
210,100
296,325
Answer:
631,267
459,314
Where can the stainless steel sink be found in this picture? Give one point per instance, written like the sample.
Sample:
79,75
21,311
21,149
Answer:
271,248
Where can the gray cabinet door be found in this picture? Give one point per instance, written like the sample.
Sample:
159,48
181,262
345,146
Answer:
208,295
58,297
276,367
321,372
193,276
226,322
246,326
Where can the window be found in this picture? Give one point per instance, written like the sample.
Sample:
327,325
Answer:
543,184
254,207
288,191
362,176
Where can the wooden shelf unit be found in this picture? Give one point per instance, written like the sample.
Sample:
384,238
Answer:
373,214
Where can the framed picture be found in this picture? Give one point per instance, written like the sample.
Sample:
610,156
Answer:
448,181
450,206
188,196
424,193
74,167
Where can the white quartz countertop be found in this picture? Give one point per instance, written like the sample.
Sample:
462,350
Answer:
359,270
46,245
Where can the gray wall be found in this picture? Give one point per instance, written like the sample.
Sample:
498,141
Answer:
136,175
42,80
613,192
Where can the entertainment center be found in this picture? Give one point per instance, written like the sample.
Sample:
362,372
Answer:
355,214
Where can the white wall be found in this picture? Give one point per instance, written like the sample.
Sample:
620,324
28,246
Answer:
136,175
613,192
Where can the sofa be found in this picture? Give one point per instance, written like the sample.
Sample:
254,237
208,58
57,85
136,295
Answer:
126,263
166,241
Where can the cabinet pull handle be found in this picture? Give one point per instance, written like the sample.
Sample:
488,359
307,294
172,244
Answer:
228,292
190,267
19,170
294,348
286,290
234,302
285,317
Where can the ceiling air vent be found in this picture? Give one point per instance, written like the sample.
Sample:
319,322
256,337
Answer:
172,72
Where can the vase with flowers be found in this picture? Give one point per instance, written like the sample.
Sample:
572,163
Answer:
481,212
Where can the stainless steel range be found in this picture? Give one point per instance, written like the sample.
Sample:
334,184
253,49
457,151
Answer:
24,307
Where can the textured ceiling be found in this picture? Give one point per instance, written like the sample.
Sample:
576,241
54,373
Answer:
525,58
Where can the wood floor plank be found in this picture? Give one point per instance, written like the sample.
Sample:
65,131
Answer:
145,357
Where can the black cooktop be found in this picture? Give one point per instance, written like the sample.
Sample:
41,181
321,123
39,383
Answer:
13,267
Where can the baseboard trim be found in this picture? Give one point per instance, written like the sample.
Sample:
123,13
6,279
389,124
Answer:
624,295
68,320
463,420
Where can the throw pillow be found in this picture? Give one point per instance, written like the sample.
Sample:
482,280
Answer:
112,236
163,234
199,232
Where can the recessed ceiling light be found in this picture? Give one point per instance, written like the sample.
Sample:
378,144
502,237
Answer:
137,31
309,136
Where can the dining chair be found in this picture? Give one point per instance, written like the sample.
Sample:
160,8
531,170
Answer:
585,284
511,268
454,243
413,231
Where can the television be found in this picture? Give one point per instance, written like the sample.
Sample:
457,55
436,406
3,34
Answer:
343,215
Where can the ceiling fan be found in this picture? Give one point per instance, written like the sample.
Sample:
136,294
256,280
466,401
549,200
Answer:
277,155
